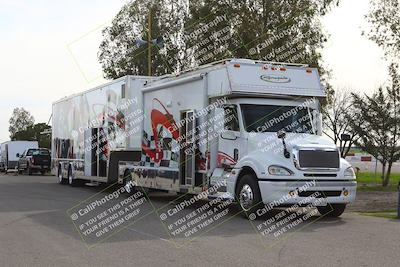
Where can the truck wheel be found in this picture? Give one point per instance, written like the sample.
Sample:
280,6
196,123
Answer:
61,179
19,170
29,170
332,210
71,180
248,194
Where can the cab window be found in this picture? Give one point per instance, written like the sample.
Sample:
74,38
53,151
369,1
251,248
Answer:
231,122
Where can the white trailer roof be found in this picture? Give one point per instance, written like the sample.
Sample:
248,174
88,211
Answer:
248,77
274,79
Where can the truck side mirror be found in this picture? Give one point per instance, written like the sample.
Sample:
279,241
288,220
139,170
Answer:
18,155
281,134
228,135
345,137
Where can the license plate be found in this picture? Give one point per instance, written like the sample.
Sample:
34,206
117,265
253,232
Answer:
320,202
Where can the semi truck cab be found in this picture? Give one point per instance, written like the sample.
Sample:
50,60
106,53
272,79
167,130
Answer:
278,143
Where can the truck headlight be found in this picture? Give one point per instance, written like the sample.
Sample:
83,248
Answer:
349,173
279,170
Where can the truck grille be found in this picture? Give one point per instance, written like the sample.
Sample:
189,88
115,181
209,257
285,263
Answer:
319,159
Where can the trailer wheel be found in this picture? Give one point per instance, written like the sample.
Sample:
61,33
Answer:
127,179
332,210
71,180
61,179
248,194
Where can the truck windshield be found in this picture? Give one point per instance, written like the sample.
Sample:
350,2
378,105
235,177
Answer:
269,118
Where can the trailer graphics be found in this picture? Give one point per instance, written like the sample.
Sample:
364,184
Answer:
217,124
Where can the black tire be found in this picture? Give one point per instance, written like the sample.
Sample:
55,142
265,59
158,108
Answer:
42,172
332,210
61,179
127,179
29,170
248,195
19,170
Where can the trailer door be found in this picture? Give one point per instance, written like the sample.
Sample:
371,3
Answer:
188,148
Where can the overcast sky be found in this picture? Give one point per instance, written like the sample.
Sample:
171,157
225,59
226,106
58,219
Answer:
48,50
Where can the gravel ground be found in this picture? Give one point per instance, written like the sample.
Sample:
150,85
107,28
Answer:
374,201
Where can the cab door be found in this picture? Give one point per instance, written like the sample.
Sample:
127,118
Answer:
22,160
230,143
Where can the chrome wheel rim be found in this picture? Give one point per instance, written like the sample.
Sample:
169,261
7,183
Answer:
70,178
246,197
60,176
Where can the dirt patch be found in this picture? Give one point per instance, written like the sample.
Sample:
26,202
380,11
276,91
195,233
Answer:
374,201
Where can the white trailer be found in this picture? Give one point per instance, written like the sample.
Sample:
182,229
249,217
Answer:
252,126
10,149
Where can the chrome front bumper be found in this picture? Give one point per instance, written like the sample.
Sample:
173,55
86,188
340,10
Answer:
294,192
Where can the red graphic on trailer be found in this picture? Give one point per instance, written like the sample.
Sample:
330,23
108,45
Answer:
166,120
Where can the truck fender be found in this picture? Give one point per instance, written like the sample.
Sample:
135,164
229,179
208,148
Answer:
245,165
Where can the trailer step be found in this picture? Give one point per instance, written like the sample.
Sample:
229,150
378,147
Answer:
93,183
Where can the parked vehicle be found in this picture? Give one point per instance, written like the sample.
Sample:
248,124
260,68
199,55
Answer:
9,151
32,160
268,145
2,167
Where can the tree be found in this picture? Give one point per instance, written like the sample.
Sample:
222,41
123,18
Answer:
339,118
200,32
19,121
380,133
35,133
384,17
119,54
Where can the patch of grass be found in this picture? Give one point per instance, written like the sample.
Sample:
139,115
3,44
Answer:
374,188
370,178
390,214
356,150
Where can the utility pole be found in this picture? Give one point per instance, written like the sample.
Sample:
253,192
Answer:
149,42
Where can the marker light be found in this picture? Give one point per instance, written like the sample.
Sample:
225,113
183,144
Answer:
345,192
237,65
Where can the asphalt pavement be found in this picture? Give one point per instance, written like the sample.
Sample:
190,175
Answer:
36,229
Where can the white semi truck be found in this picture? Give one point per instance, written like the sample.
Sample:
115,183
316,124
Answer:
254,127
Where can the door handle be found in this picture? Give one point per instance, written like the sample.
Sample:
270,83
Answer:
236,154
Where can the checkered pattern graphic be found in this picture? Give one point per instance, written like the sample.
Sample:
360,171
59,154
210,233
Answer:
170,155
